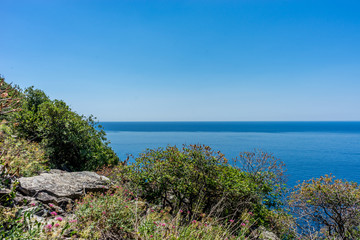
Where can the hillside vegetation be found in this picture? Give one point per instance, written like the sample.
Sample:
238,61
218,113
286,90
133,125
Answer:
188,192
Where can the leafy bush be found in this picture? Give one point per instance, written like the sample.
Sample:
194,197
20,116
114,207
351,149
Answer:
180,178
71,142
327,208
199,180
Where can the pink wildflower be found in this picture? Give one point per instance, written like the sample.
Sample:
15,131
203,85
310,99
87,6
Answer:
250,213
53,213
231,220
33,204
49,226
51,205
151,236
56,225
181,211
126,206
243,224
193,221
103,212
72,221
59,219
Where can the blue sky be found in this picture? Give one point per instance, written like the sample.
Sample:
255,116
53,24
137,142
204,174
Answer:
250,60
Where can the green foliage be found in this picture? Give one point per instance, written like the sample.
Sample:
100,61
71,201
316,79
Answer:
119,214
71,141
28,119
21,224
21,156
198,180
160,225
180,178
327,208
18,157
267,173
118,174
104,215
15,226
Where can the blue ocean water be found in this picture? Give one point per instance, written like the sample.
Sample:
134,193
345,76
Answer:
309,149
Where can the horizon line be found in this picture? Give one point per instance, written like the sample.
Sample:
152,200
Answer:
157,121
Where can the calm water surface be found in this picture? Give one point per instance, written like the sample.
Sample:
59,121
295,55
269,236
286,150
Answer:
309,149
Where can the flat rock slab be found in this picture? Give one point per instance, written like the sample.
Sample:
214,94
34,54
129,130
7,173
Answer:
56,184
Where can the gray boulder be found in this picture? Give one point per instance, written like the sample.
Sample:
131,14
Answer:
61,187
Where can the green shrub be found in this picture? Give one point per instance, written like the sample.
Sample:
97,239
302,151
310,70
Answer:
199,180
72,142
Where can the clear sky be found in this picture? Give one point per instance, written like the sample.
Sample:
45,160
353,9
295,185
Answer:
199,60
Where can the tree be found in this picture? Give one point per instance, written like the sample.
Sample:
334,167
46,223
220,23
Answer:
268,172
327,208
72,142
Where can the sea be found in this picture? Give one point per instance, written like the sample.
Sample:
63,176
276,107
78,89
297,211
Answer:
308,149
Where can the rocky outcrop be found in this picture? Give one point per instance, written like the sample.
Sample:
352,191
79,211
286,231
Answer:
49,194
61,187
